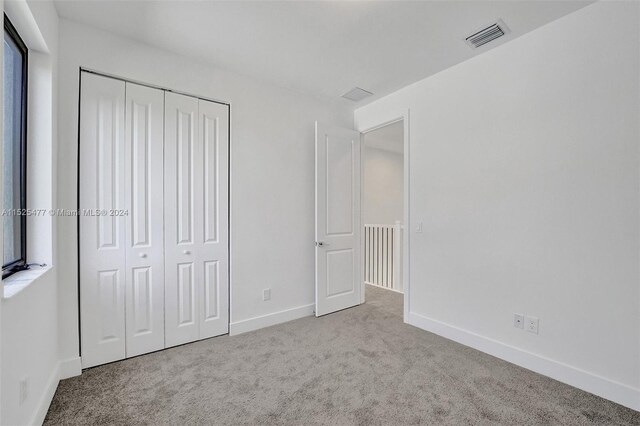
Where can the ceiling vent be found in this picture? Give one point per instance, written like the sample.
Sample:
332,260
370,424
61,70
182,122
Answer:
487,34
356,94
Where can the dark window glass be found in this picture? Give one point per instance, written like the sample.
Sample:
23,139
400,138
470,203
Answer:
14,150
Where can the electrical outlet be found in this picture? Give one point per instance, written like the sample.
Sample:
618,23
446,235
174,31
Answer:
518,320
532,325
24,390
266,294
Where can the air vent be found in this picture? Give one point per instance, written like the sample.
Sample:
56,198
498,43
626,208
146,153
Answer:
356,94
488,34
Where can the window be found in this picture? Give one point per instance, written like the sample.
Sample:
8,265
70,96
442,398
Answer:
14,151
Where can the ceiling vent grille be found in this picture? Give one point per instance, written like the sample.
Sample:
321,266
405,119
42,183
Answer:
357,94
488,34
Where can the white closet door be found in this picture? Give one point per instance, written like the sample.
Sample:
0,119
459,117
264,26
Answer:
183,154
144,172
212,225
102,237
196,219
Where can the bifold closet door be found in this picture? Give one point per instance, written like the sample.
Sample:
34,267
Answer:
213,258
154,224
102,237
121,225
144,173
196,218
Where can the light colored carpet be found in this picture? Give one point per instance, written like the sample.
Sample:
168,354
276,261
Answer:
360,366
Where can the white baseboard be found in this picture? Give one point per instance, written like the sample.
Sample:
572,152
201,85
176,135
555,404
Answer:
614,391
70,368
64,369
268,320
45,401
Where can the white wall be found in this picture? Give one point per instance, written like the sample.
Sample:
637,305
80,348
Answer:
29,338
272,172
524,171
382,186
29,351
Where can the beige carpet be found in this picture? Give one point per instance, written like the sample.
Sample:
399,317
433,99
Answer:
360,366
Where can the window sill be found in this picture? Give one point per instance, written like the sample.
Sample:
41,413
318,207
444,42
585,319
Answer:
21,280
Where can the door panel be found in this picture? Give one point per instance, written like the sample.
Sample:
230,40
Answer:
102,237
186,295
211,291
144,173
212,224
211,188
196,215
339,187
185,140
141,312
181,136
340,266
338,273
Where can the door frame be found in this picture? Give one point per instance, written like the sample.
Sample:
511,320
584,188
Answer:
406,282
229,184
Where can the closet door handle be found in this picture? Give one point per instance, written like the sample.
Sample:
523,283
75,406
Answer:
187,252
143,255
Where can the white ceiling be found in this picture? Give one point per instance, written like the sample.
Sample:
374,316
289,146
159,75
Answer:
321,48
388,138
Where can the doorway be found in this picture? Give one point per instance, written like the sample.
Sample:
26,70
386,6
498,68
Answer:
339,229
383,180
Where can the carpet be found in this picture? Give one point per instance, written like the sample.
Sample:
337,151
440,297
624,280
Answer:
360,366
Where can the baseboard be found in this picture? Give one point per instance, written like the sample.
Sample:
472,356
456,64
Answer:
597,385
268,320
70,368
64,369
47,397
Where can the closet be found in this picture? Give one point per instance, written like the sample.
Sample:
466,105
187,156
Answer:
153,219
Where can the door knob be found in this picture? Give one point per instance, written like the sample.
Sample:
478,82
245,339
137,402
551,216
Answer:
321,244
186,252
143,255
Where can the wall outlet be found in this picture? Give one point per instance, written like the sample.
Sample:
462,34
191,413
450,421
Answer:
24,390
518,321
266,294
532,325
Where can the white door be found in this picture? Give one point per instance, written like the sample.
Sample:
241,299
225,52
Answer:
102,236
144,170
196,217
212,225
338,270
181,136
